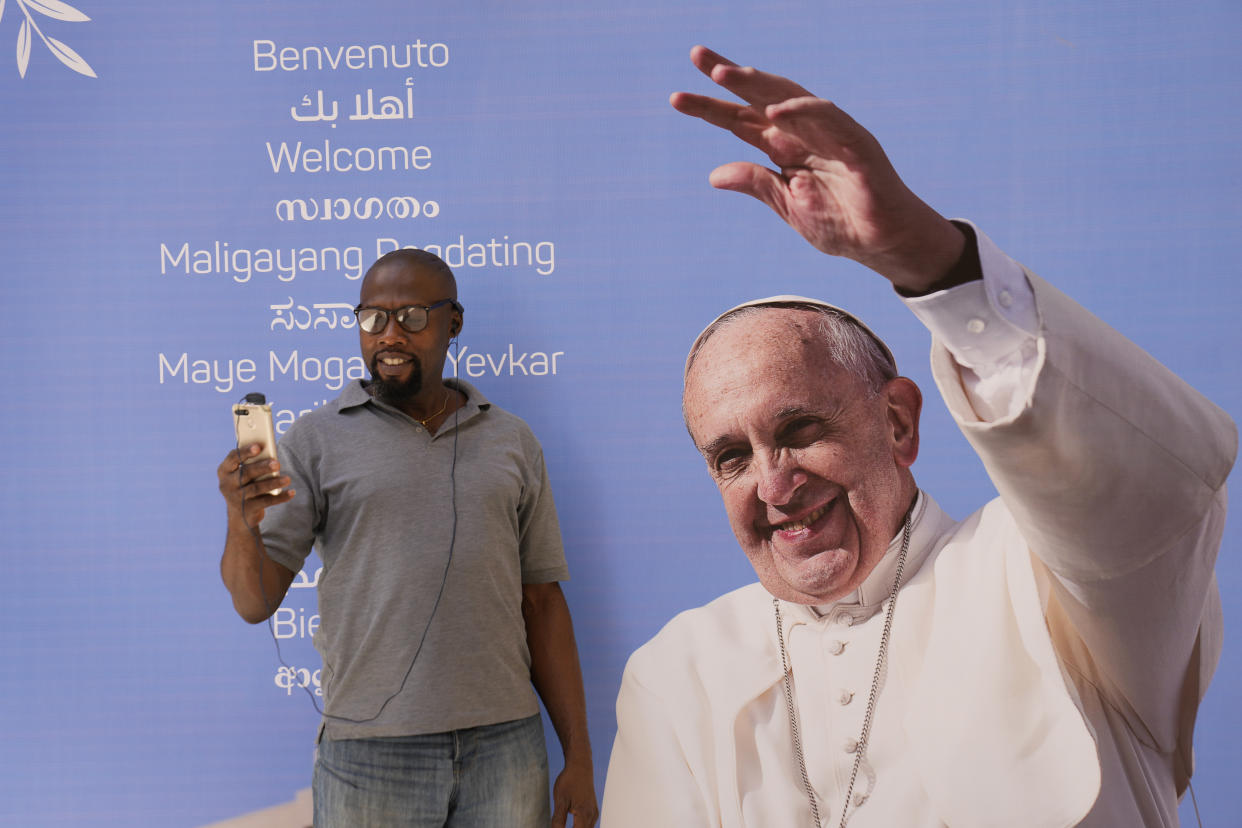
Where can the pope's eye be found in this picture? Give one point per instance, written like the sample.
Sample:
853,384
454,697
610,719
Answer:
730,461
801,431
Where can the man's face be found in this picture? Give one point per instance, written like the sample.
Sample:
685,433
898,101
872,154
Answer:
813,468
400,362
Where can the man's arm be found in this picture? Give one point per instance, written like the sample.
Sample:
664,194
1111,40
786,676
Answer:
557,677
257,583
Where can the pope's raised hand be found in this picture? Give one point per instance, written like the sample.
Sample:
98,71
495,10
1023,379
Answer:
833,182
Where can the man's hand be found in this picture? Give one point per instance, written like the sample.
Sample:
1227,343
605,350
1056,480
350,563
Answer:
574,793
257,583
248,497
834,184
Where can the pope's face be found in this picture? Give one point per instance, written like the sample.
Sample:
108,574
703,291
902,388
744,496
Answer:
813,468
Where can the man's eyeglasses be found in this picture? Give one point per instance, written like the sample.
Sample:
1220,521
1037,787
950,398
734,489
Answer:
412,317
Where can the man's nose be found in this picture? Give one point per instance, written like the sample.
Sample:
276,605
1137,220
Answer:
392,332
780,477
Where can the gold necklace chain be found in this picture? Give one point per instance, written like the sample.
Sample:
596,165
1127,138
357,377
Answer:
443,405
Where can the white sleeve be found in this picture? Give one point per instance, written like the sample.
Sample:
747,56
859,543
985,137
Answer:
1113,469
990,327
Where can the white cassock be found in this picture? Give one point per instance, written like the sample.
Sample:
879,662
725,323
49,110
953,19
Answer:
1048,653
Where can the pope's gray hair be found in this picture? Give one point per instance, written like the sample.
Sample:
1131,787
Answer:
850,345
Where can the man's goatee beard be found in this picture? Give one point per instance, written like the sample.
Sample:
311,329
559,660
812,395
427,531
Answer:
397,392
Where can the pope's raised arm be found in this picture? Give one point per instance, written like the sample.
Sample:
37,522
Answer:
833,182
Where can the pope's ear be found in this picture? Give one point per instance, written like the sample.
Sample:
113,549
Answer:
904,402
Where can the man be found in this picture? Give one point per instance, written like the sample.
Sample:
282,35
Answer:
1038,664
439,597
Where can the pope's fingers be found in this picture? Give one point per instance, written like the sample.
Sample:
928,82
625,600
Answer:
748,83
821,126
742,121
705,60
758,182
724,114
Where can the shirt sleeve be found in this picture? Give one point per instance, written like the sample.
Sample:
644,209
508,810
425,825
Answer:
289,529
541,549
1113,470
990,326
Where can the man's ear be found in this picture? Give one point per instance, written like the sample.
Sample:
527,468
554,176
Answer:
904,403
455,325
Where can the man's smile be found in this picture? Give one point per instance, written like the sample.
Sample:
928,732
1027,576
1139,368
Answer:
393,358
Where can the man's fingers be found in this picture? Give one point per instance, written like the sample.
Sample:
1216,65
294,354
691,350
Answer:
258,489
254,506
586,819
251,472
237,457
560,813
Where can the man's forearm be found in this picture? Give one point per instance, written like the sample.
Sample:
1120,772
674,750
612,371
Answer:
555,670
557,676
256,582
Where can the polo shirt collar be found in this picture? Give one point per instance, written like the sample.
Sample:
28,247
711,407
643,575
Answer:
355,394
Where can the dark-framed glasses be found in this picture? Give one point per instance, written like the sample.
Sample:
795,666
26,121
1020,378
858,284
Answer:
412,317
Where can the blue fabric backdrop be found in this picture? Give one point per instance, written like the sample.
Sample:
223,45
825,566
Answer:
191,191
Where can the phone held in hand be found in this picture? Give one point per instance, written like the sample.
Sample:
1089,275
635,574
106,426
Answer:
252,423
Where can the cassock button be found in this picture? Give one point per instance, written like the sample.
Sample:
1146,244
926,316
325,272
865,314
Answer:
836,648
845,698
1005,298
976,326
851,745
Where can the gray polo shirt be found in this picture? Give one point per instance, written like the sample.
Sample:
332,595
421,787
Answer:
375,494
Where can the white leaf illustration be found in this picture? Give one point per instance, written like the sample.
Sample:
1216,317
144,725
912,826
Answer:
23,47
56,9
69,57
1,9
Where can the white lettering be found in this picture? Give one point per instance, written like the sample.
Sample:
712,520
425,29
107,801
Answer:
290,623
526,363
268,58
220,374
298,158
242,263
333,371
492,253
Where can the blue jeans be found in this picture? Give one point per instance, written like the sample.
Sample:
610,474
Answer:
494,776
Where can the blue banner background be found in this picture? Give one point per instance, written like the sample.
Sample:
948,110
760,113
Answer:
1097,143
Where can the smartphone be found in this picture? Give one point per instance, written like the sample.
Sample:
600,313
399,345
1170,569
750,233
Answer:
252,423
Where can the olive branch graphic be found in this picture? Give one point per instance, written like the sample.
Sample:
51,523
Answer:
57,10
